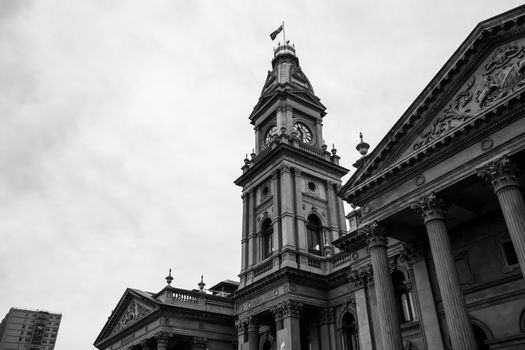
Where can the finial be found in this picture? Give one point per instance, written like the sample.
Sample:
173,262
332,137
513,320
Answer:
362,147
246,160
201,284
334,151
253,153
169,278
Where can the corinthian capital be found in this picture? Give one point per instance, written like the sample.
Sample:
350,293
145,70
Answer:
375,235
431,207
499,173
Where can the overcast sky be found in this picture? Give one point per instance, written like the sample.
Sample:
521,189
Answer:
124,124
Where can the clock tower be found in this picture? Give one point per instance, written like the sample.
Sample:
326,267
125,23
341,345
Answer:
291,213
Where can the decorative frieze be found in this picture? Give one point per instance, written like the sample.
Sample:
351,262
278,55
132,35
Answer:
327,315
500,173
199,343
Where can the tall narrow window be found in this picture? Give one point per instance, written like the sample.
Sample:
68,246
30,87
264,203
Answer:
314,231
267,238
404,300
349,333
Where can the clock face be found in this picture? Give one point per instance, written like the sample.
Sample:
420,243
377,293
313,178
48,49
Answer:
269,135
303,132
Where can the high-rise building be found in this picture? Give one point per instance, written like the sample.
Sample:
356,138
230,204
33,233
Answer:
29,329
434,256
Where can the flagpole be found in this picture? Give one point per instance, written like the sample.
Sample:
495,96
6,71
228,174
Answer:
284,35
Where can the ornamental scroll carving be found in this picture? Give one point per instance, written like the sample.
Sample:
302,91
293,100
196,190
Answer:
134,312
501,76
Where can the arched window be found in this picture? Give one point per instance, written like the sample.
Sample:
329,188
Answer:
267,238
480,337
314,232
267,345
349,333
405,304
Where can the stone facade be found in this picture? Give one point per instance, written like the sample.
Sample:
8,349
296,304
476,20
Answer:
434,255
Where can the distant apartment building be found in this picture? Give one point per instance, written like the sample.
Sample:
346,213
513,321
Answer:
29,329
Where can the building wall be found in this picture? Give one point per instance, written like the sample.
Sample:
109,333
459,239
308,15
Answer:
28,329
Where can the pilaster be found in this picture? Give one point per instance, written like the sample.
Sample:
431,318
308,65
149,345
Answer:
287,214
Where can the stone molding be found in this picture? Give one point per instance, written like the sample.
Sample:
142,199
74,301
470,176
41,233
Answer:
500,173
431,207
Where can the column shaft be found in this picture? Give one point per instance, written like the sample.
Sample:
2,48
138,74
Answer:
513,208
386,303
454,305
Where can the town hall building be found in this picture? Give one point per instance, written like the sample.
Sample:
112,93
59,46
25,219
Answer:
432,256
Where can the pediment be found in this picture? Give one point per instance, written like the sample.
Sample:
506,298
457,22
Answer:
498,78
133,306
133,312
486,72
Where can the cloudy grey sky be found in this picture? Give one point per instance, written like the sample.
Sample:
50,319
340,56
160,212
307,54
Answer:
124,123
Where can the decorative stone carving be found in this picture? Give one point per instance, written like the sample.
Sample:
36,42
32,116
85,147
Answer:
453,116
430,207
252,323
285,169
500,173
502,75
359,278
199,343
134,312
412,251
375,234
162,338
288,308
327,315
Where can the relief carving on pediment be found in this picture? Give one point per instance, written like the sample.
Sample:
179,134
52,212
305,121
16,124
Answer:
502,75
134,312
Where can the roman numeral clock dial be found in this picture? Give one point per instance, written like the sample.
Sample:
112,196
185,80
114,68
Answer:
304,133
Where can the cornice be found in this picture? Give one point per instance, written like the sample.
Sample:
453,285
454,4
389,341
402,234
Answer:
283,149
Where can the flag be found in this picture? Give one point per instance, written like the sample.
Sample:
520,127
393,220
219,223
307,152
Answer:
275,32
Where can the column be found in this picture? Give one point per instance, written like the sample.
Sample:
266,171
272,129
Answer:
253,334
199,343
287,322
432,209
386,303
359,280
162,341
502,176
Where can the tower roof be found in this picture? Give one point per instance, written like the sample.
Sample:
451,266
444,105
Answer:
286,78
